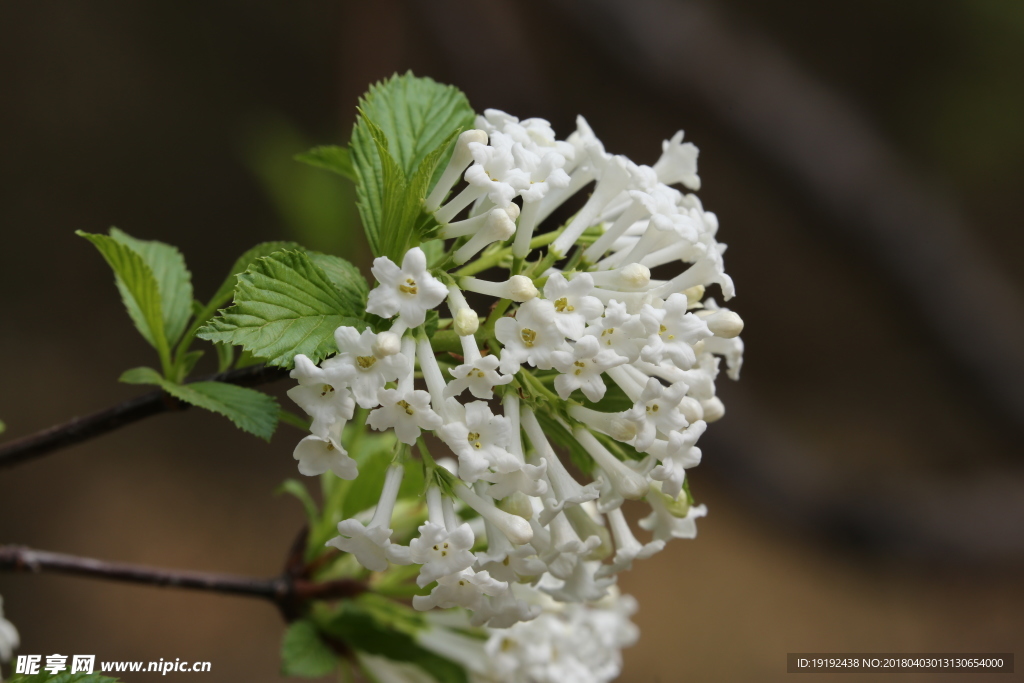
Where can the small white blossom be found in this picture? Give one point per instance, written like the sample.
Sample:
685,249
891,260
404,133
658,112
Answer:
582,368
359,362
479,376
324,398
466,588
407,411
621,332
657,411
531,337
574,307
441,552
409,291
317,455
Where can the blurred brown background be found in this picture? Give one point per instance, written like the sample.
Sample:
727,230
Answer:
865,160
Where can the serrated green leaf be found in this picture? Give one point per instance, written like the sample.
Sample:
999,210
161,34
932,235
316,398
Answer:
346,277
416,115
284,305
139,289
227,288
304,653
296,488
173,279
250,410
330,158
399,145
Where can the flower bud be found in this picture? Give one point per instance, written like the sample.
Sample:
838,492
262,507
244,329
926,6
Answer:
466,322
714,409
521,288
725,324
387,344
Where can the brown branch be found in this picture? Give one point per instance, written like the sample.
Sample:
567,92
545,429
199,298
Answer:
284,591
132,410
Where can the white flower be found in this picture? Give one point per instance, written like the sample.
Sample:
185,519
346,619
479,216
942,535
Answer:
678,163
317,455
479,376
466,588
582,368
441,552
360,362
677,332
8,636
409,291
482,434
627,548
665,526
408,411
323,397
657,411
620,332
370,543
676,456
574,308
530,337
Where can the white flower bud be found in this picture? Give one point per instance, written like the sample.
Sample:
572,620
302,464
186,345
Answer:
387,344
714,409
691,409
466,322
517,288
521,288
517,529
724,324
517,503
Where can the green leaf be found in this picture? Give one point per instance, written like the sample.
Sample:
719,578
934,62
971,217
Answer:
225,356
557,435
173,280
188,362
367,625
615,399
304,653
3,427
399,145
227,288
371,481
297,489
139,289
430,324
284,305
346,277
250,410
330,158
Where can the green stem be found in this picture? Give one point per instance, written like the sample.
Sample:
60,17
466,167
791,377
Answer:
493,259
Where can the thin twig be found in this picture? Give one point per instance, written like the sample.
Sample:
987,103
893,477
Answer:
283,591
132,410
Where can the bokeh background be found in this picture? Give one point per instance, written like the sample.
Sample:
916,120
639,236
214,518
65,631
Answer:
865,160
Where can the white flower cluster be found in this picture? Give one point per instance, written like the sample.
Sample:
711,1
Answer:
583,320
565,643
